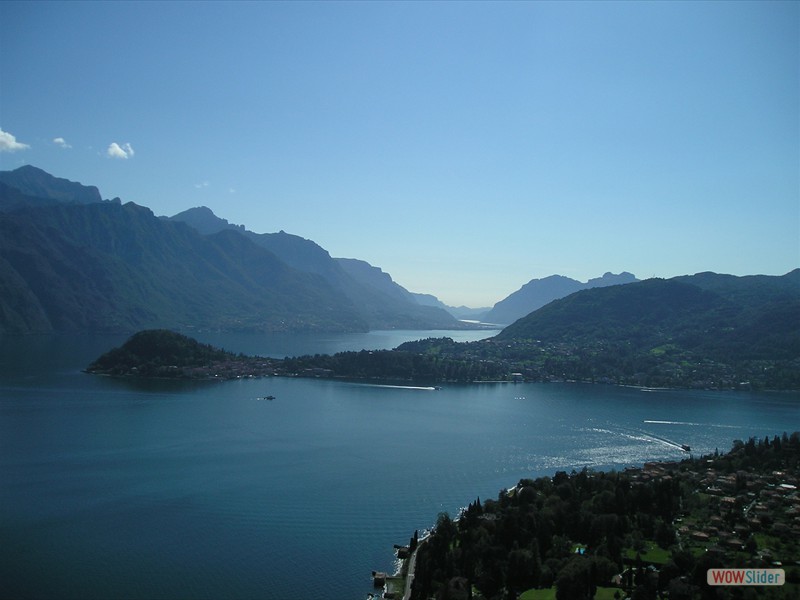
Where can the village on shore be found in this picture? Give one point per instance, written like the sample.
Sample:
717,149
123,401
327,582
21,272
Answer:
738,509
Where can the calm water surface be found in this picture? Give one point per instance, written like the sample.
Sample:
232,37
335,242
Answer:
115,489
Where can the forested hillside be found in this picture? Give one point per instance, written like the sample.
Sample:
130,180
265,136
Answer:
382,303
724,333
72,262
111,267
642,533
715,316
539,292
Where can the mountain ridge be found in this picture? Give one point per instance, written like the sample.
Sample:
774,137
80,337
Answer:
719,316
35,182
725,332
655,333
76,262
384,303
109,267
539,292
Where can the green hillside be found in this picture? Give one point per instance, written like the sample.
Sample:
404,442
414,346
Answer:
706,331
655,333
650,532
717,316
154,352
381,302
72,262
112,267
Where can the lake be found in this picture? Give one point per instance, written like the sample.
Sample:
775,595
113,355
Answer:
124,489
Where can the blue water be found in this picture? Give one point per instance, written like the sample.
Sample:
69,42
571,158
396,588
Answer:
116,489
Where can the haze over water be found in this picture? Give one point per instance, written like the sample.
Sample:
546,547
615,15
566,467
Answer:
118,489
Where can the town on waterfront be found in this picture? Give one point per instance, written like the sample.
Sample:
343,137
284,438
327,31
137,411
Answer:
646,532
168,354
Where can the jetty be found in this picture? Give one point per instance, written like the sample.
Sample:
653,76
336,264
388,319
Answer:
398,586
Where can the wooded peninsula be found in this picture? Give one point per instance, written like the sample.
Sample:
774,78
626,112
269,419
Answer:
167,354
643,533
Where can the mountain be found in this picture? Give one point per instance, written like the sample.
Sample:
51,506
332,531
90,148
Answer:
538,292
382,303
720,317
203,219
36,183
297,252
70,261
704,331
459,312
11,199
385,300
110,267
374,277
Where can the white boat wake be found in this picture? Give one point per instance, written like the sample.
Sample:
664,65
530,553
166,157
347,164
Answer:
722,425
399,387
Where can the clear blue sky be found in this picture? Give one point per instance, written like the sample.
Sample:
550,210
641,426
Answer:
465,148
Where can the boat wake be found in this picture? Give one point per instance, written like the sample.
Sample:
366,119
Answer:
722,425
643,436
664,440
399,387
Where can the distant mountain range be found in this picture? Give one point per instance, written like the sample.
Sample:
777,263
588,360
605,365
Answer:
306,255
383,303
459,312
699,331
71,261
539,292
32,182
721,317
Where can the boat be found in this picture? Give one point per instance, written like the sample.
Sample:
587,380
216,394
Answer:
268,398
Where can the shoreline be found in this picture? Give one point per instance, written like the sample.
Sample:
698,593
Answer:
772,489
410,382
170,355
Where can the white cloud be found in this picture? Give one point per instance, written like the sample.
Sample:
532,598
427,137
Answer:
8,143
61,142
201,185
117,151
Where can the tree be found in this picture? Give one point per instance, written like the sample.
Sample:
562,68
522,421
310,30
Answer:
574,580
458,588
522,570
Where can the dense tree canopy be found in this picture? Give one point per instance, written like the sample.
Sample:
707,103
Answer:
577,531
